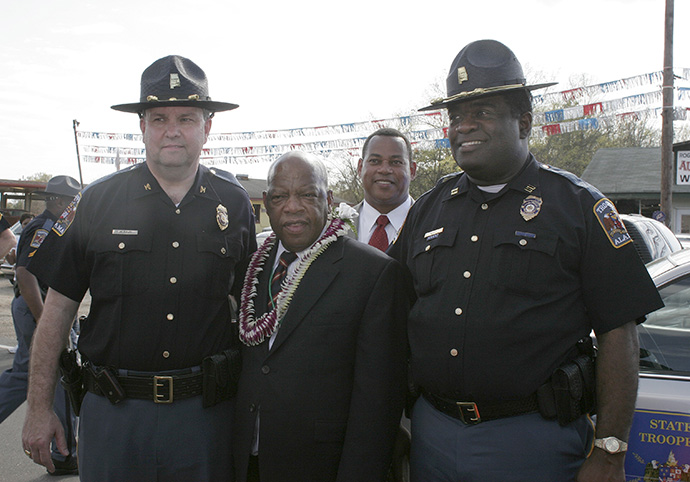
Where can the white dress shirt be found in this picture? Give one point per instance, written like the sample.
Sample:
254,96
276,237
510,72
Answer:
368,216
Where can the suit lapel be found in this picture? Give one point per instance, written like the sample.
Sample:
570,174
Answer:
316,281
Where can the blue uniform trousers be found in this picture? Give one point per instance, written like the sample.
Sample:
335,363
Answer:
14,381
512,449
142,441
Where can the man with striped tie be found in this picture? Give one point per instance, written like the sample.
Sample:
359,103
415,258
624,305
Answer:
322,321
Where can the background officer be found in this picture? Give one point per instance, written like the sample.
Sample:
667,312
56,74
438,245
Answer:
157,245
511,265
27,307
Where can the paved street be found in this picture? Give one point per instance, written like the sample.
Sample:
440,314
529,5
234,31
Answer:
14,465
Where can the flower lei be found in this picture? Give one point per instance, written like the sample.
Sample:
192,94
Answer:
254,331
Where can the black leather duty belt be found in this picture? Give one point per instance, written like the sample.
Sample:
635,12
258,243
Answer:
472,413
159,388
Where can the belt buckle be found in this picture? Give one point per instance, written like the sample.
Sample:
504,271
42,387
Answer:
164,395
469,413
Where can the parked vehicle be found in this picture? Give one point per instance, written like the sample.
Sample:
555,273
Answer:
659,443
684,239
652,238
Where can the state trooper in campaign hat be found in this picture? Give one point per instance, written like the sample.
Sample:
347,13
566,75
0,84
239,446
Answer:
61,186
481,68
157,245
174,81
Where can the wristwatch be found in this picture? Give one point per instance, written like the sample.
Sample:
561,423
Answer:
611,445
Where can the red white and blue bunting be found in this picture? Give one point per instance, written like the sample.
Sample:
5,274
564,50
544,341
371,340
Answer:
427,130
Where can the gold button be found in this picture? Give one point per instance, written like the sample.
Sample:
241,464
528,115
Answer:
222,250
485,206
175,244
170,316
467,274
121,245
173,280
177,211
458,311
427,248
166,354
523,242
454,352
474,238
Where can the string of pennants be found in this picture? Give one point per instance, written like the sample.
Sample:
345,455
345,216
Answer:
424,129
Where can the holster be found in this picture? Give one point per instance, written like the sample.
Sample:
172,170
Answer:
106,380
72,379
221,374
571,390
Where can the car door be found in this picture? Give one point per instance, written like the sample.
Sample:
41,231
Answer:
659,443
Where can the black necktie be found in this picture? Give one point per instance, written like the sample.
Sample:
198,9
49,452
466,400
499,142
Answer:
279,275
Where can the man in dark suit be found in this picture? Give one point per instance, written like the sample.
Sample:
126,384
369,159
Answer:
386,169
323,379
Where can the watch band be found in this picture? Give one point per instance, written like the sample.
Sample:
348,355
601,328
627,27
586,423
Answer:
612,445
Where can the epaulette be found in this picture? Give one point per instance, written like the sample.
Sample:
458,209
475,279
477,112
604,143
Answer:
221,174
107,177
447,177
573,179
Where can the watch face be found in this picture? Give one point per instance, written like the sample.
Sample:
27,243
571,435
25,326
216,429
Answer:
611,445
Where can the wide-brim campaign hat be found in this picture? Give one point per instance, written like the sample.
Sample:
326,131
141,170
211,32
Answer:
483,67
61,186
174,81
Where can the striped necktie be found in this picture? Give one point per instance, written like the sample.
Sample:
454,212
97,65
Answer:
279,275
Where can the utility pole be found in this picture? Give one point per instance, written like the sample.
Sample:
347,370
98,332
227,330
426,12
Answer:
667,118
75,123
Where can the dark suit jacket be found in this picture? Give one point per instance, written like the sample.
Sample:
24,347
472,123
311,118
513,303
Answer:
331,389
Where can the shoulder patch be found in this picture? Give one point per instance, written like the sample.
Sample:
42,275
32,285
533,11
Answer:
65,221
611,222
38,238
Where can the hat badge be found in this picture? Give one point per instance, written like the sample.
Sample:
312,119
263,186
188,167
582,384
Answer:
462,75
174,80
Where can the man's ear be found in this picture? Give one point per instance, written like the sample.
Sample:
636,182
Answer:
525,123
413,170
360,163
329,198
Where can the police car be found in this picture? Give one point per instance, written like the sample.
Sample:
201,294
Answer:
659,442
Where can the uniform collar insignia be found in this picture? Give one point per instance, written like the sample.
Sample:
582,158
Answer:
529,188
530,207
147,186
202,189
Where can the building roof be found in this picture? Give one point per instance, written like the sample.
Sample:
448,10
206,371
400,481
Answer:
628,171
255,187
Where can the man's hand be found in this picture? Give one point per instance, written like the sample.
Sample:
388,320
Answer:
39,429
41,424
603,467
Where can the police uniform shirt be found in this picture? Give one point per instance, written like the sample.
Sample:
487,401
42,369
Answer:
31,238
506,283
159,274
3,223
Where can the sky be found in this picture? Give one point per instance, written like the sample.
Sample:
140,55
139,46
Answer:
290,64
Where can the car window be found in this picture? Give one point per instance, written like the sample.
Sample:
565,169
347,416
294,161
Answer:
665,336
